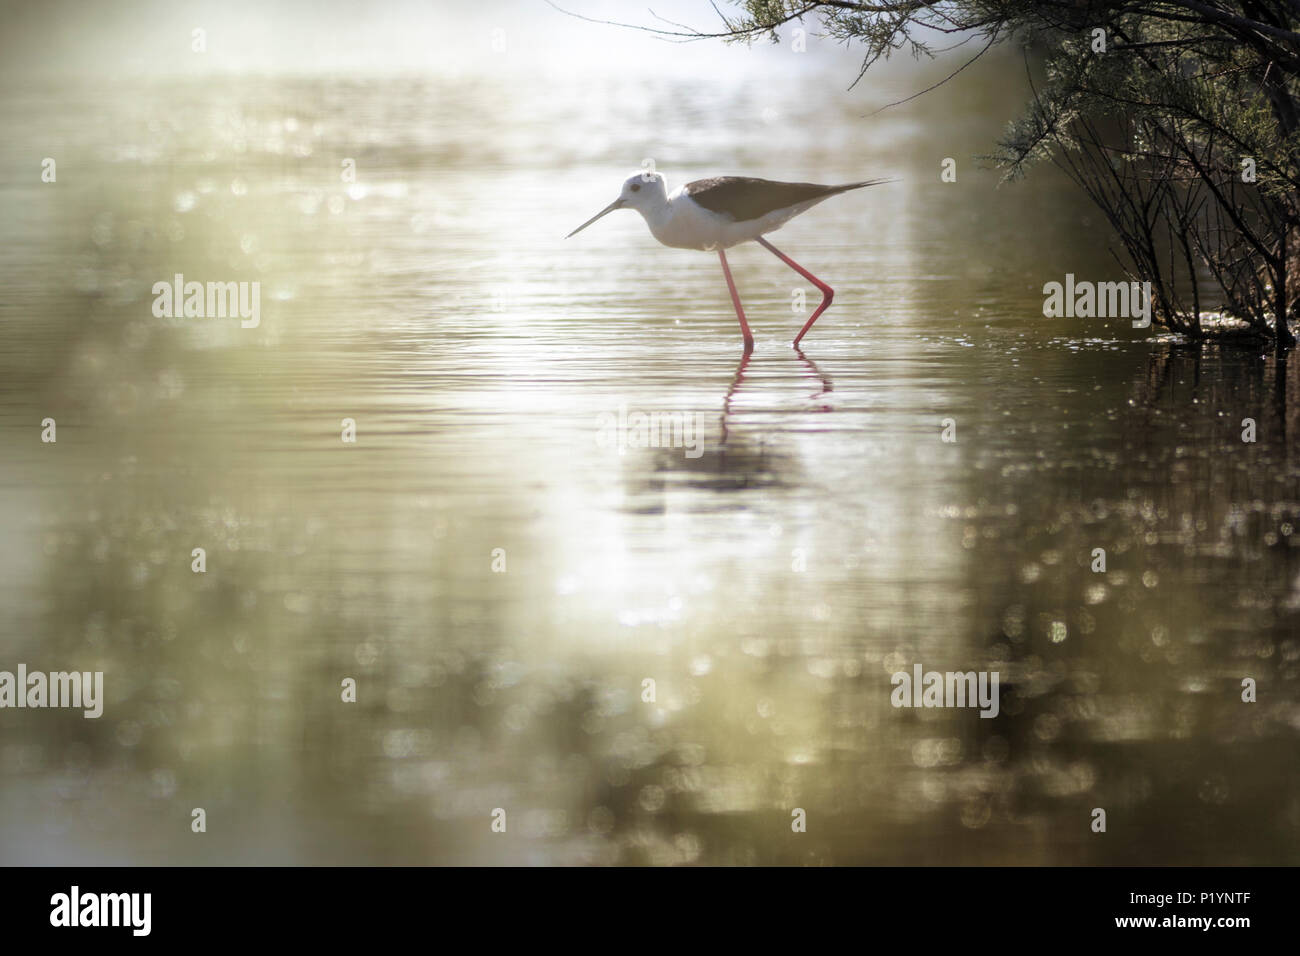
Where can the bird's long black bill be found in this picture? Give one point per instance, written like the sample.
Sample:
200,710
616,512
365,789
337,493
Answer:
616,204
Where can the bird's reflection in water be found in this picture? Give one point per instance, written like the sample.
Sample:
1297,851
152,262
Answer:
813,372
750,451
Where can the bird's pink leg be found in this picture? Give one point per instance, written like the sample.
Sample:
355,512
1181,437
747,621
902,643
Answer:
740,313
828,294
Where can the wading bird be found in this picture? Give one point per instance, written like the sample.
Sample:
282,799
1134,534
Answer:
723,212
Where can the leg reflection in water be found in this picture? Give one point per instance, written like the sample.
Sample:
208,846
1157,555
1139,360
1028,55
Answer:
825,387
822,378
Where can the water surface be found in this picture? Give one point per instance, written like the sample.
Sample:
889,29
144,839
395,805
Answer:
825,538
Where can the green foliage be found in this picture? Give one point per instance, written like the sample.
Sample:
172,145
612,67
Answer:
1151,106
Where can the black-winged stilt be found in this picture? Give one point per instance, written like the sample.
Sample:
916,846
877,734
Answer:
722,212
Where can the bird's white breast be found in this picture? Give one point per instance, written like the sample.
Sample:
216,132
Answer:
684,224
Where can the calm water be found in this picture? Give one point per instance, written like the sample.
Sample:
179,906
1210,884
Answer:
824,539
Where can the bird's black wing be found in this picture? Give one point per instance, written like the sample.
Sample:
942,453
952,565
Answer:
743,198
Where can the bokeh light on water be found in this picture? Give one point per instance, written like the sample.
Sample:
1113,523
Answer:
433,302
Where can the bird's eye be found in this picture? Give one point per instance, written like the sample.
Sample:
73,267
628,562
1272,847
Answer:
636,187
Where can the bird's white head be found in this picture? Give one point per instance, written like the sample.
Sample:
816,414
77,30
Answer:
643,191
